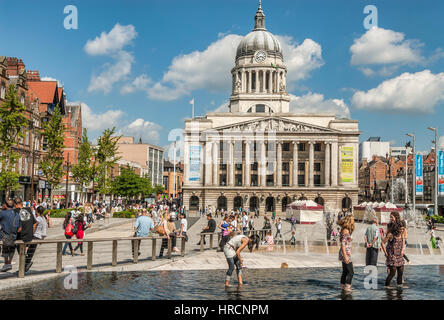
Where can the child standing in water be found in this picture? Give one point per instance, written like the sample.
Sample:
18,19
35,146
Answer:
347,225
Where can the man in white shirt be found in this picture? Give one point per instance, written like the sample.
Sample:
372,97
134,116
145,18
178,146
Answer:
183,226
245,223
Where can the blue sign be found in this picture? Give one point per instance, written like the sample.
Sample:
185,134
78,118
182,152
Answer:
194,163
419,175
441,172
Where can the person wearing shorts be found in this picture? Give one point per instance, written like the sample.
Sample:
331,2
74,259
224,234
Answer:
232,250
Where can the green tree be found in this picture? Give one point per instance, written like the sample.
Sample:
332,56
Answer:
147,188
83,170
158,189
128,184
52,163
12,125
105,159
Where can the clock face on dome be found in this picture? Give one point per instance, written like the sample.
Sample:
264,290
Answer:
260,56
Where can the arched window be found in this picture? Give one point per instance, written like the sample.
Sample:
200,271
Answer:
194,203
269,204
237,204
346,203
222,203
254,203
319,200
285,202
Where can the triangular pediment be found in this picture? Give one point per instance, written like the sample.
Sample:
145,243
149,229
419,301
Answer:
274,124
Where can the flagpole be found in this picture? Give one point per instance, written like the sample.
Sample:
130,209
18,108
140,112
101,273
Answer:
193,109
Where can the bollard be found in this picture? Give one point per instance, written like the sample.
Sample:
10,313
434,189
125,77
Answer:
211,241
202,239
90,256
182,247
22,259
169,247
153,244
136,251
114,263
59,257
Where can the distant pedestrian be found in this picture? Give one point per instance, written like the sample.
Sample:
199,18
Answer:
68,229
39,234
183,226
278,228
79,230
10,227
372,240
395,249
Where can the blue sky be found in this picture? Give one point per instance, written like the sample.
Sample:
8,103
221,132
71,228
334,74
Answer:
154,37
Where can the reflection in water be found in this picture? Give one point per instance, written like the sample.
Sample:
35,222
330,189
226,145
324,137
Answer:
422,282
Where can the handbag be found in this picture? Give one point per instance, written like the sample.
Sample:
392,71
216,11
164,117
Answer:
160,230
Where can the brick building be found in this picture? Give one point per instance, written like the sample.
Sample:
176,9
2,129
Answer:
168,179
13,72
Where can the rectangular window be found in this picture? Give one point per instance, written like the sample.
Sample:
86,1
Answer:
223,179
223,166
238,166
301,180
317,180
254,181
238,180
254,166
285,180
270,180
301,147
260,108
301,166
317,166
317,147
285,166
286,147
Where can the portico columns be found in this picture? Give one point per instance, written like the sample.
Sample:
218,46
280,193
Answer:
279,163
311,164
262,165
295,164
256,81
215,163
208,162
230,166
247,163
250,85
334,164
327,163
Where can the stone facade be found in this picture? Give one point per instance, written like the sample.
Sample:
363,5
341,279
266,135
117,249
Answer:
258,154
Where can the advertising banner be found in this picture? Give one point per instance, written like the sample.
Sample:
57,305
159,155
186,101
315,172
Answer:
441,172
419,175
194,163
347,156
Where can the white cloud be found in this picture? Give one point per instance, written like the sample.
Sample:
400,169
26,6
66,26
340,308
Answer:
140,128
413,92
380,46
316,103
140,83
223,107
300,59
59,83
209,69
111,42
100,121
441,143
113,73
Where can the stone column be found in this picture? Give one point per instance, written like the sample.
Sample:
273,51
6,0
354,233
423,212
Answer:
327,163
311,164
279,163
215,163
277,81
186,162
256,90
208,160
230,167
262,165
334,164
264,80
247,163
270,82
295,164
249,90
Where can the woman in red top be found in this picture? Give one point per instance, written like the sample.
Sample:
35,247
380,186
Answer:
80,226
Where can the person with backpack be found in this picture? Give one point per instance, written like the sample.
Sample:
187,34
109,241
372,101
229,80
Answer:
29,224
79,230
10,227
68,227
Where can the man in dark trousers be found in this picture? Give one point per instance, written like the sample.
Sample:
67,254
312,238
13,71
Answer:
210,228
10,224
29,223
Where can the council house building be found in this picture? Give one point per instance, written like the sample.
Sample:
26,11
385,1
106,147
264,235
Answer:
259,155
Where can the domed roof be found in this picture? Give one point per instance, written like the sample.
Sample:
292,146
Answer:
259,38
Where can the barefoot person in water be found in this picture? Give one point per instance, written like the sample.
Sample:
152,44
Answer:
232,250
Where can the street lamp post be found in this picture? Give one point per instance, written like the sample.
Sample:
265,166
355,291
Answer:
413,173
435,210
